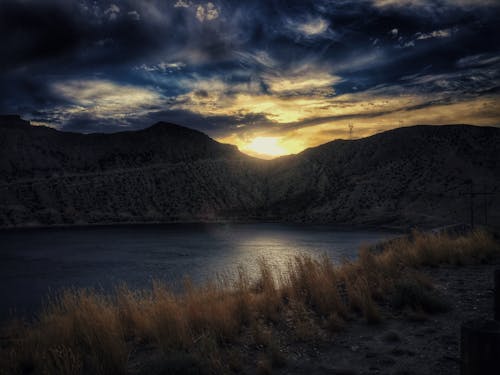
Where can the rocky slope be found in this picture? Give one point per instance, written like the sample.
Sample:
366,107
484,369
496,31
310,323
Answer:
414,175
418,174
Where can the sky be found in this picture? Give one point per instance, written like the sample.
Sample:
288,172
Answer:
272,77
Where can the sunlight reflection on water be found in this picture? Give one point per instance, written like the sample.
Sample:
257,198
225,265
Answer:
34,261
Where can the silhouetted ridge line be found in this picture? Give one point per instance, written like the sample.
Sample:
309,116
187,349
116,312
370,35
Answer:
169,173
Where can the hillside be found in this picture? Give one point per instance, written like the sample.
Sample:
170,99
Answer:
162,173
413,175
28,151
404,176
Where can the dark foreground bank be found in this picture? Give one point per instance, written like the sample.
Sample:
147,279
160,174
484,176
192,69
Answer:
394,312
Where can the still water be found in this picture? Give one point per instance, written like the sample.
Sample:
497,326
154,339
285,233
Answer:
36,262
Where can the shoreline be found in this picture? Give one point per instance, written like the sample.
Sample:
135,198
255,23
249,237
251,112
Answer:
28,306
339,226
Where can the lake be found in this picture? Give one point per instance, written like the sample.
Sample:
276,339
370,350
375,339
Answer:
35,262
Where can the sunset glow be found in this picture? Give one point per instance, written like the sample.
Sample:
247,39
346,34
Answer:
266,146
269,79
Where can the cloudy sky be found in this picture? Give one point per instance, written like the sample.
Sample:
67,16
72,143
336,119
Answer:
273,77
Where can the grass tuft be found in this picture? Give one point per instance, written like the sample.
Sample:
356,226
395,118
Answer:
409,292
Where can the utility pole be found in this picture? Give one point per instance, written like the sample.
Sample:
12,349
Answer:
485,207
471,192
471,195
351,127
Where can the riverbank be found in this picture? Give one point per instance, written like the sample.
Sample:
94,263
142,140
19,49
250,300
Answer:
374,315
37,262
403,229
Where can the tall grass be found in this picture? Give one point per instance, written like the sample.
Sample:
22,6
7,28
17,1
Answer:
85,331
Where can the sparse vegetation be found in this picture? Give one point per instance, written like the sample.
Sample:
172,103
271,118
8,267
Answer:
168,173
201,329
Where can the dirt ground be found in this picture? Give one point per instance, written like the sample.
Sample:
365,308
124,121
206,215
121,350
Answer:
408,343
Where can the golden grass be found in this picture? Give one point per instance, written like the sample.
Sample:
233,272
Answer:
88,332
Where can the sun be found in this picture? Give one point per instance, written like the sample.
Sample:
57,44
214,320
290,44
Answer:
267,146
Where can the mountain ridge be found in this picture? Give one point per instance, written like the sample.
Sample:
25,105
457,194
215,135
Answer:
169,173
76,152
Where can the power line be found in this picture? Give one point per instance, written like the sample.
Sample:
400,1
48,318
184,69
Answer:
472,194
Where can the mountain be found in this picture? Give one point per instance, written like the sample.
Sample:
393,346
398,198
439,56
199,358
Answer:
29,151
162,173
410,175
406,176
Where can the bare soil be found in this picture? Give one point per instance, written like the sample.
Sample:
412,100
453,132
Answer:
407,343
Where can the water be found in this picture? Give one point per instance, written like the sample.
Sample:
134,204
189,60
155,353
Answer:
36,262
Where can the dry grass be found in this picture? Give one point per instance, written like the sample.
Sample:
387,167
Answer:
90,333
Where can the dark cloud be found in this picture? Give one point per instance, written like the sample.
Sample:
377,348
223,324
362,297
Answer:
35,31
171,49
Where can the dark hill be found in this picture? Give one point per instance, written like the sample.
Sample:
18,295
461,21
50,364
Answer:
416,174
28,151
413,175
163,173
